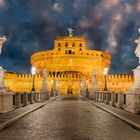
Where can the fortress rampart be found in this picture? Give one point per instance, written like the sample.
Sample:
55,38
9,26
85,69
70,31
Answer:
23,82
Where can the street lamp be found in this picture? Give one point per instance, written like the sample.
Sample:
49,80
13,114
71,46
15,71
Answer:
81,88
58,88
33,71
52,88
105,73
87,93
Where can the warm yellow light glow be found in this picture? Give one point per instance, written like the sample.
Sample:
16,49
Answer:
33,70
52,81
105,71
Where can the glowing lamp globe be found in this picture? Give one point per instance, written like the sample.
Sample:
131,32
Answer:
33,70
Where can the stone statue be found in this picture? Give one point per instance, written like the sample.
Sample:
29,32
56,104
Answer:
137,51
94,83
44,83
85,83
2,40
94,75
44,75
70,31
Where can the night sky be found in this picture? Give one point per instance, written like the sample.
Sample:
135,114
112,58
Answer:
32,25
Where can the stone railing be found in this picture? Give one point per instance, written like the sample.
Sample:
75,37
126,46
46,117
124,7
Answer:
23,99
9,100
112,98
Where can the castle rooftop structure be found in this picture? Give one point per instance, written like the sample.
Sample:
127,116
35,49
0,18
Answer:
70,56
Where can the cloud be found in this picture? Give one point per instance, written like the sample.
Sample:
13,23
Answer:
108,4
57,7
117,22
85,23
137,5
32,25
2,3
104,6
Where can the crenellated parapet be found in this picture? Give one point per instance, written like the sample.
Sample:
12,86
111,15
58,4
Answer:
23,82
115,82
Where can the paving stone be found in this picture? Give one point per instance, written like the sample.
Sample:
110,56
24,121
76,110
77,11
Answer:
69,118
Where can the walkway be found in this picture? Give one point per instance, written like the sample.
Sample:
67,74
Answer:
69,118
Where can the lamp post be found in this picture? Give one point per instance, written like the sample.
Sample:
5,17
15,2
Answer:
81,88
87,93
33,71
58,88
52,88
105,73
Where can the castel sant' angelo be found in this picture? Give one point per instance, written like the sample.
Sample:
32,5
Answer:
68,64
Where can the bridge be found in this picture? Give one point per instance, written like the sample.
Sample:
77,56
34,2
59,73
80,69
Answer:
68,117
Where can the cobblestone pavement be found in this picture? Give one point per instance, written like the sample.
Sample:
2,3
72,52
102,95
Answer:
69,118
4,117
131,116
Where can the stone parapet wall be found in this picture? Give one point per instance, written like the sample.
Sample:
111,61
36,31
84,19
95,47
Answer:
119,83
23,82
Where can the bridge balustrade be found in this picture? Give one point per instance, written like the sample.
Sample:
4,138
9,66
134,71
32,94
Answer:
21,99
112,98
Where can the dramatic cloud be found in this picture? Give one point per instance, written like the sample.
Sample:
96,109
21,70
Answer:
137,5
57,7
32,25
2,3
117,22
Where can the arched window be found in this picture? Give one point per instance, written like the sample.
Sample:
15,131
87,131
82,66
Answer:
80,45
73,44
70,52
66,44
59,44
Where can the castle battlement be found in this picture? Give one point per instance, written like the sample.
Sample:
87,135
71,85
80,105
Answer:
23,82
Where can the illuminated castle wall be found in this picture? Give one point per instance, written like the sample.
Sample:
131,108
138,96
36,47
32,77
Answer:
68,63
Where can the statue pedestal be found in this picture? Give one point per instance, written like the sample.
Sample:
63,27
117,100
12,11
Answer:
94,90
1,77
6,95
6,100
45,89
133,94
132,103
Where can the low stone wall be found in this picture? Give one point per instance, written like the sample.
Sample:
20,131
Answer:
112,98
9,102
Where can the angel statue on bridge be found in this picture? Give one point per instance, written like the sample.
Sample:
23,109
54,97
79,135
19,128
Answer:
44,74
2,40
94,76
137,51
